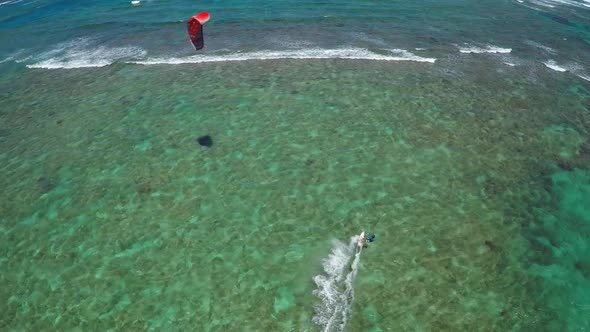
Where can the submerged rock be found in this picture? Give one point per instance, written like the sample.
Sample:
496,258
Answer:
205,141
559,19
46,184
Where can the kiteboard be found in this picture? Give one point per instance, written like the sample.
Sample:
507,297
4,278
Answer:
362,239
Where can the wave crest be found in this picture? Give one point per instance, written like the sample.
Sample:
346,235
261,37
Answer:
487,49
350,53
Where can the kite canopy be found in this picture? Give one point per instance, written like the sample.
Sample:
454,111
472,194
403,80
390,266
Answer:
202,17
195,29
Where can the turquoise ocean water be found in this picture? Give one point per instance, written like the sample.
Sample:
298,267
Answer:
456,131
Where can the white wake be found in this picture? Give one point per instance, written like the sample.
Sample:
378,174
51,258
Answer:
335,286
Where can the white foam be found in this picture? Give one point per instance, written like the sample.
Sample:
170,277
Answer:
351,53
86,57
487,49
16,56
553,65
509,64
580,4
541,46
83,53
584,77
9,2
543,3
554,3
335,288
406,55
21,60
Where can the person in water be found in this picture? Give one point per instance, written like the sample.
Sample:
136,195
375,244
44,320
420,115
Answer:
369,237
